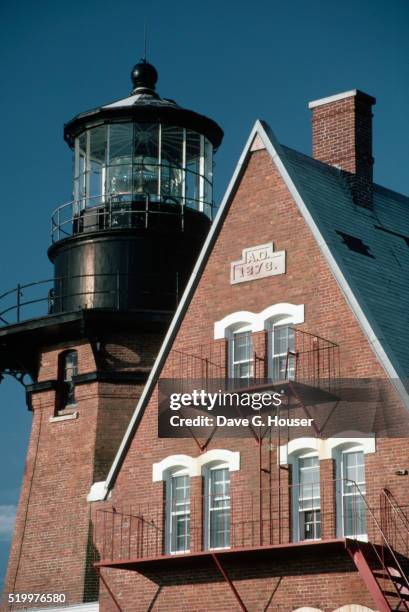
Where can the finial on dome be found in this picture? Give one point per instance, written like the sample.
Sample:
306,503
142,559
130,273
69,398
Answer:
144,77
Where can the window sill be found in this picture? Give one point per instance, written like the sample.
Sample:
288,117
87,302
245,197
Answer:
69,416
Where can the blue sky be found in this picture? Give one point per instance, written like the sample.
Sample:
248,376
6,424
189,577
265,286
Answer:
234,61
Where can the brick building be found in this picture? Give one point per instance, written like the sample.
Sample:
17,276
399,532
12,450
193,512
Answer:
299,287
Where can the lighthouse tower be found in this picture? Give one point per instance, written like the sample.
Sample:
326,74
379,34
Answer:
122,251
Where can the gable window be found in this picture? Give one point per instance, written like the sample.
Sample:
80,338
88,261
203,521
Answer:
351,501
241,354
217,507
281,352
178,512
67,370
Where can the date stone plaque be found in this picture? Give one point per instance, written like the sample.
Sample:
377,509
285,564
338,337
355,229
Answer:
257,262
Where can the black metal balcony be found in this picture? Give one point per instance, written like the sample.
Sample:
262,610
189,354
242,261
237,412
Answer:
114,291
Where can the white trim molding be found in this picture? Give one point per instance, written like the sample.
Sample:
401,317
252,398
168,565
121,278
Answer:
324,448
83,607
194,465
161,469
341,96
287,314
98,491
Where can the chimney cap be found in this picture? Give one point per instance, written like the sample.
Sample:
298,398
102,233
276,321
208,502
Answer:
341,96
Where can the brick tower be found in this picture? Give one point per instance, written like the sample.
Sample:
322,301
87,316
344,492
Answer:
122,252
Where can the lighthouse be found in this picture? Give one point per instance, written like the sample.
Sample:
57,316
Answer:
83,343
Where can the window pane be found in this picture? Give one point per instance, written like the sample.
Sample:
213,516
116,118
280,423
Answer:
97,164
172,162
82,146
353,503
145,160
120,143
192,168
309,501
179,514
218,511
354,515
146,140
241,355
70,365
283,339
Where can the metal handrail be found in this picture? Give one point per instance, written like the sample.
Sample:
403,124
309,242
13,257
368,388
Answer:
385,543
50,299
387,495
90,205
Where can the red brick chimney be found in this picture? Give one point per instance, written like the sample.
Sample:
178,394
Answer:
342,137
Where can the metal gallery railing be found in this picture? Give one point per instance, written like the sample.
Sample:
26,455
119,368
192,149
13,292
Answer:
68,293
240,519
119,210
312,359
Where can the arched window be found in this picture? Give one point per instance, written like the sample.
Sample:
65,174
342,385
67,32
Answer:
278,320
177,511
217,506
67,370
176,471
350,490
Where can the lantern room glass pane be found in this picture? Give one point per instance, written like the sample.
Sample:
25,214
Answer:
97,163
146,140
172,163
120,143
119,180
208,178
82,141
192,169
145,159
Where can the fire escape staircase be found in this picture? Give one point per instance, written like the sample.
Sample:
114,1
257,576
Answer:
382,568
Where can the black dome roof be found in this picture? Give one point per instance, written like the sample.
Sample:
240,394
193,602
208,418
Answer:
144,105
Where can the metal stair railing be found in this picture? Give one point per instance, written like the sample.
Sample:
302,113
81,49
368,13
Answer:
380,556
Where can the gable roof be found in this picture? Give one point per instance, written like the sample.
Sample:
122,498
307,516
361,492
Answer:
364,249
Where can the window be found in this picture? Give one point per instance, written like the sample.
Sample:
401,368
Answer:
351,501
178,512
67,370
309,503
282,352
241,354
306,496
217,507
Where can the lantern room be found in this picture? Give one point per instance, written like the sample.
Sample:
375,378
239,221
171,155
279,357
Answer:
142,154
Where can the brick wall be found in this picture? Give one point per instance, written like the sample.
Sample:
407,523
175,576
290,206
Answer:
262,210
52,548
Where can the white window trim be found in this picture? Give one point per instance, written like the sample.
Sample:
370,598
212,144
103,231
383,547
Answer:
333,448
207,469
194,465
326,448
287,314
